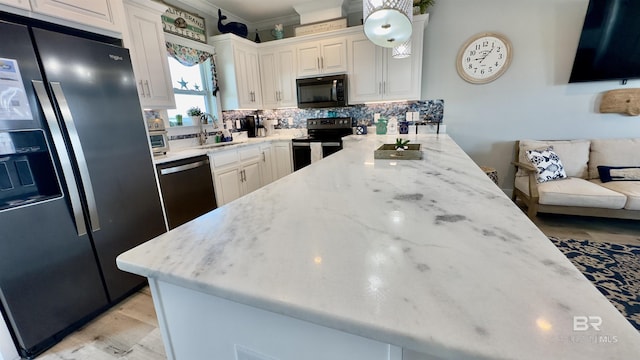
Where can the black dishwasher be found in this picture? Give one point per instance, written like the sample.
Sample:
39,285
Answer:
187,189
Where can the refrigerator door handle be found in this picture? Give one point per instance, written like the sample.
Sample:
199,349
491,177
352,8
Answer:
65,111
63,155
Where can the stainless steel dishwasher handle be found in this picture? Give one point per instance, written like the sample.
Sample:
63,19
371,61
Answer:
63,155
184,167
65,111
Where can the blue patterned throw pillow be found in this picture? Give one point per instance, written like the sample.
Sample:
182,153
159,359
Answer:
548,164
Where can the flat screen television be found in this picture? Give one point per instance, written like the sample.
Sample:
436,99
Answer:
609,47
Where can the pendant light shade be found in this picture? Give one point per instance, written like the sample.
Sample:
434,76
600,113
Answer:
402,51
387,23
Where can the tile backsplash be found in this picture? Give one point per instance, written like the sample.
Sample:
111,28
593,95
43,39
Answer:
431,111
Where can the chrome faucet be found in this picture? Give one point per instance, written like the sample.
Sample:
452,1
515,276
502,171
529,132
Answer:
202,134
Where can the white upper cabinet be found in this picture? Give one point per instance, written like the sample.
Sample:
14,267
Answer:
278,77
238,72
21,4
104,14
146,42
327,56
374,75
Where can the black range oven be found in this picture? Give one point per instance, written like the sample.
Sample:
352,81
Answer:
324,138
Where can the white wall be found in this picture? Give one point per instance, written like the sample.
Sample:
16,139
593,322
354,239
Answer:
533,98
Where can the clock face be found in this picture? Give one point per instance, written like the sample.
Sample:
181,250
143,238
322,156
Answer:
483,58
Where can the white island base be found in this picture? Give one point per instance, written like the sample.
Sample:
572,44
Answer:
196,325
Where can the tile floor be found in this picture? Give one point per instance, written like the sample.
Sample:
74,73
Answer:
130,331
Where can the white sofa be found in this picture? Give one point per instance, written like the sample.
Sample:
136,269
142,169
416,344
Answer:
582,192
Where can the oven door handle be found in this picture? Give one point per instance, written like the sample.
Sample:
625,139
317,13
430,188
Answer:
330,144
301,144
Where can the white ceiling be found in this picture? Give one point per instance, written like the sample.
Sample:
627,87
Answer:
256,11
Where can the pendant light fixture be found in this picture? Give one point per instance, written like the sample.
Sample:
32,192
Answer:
387,23
402,51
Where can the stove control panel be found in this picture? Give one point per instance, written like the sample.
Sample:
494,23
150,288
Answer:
329,123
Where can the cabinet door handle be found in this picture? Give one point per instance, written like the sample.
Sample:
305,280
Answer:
264,157
322,62
244,172
384,87
146,83
141,88
318,61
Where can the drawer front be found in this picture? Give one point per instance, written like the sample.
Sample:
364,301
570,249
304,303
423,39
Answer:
224,158
249,153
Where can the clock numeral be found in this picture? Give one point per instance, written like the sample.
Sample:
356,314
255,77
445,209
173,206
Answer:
497,64
500,56
470,66
472,52
499,49
468,59
477,46
490,69
485,43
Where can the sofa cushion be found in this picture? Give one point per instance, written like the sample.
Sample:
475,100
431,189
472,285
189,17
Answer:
612,152
548,164
574,192
574,154
618,173
631,189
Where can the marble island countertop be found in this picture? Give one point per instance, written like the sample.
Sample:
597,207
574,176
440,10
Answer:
428,255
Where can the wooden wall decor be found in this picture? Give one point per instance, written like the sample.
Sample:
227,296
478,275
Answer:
623,101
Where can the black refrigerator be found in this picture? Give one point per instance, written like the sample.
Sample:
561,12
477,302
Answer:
77,183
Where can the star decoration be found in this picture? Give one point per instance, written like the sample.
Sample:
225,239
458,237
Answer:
183,84
196,87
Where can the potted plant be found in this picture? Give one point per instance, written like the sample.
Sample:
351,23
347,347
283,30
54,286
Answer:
402,145
423,5
195,114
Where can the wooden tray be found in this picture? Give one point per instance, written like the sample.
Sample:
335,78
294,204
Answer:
388,151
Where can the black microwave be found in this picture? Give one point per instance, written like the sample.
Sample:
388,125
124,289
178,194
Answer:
319,92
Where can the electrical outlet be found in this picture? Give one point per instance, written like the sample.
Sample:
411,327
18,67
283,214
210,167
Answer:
376,116
290,121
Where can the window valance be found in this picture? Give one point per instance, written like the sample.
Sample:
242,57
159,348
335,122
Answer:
189,57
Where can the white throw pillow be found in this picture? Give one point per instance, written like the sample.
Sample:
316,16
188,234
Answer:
548,164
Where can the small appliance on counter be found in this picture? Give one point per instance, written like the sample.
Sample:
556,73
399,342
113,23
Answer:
251,125
158,136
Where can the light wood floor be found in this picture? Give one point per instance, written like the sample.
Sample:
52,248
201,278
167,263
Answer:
130,330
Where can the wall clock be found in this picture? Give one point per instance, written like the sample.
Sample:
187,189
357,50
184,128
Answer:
483,58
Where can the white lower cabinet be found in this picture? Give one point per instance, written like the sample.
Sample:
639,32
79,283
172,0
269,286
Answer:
266,165
227,185
282,164
236,172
